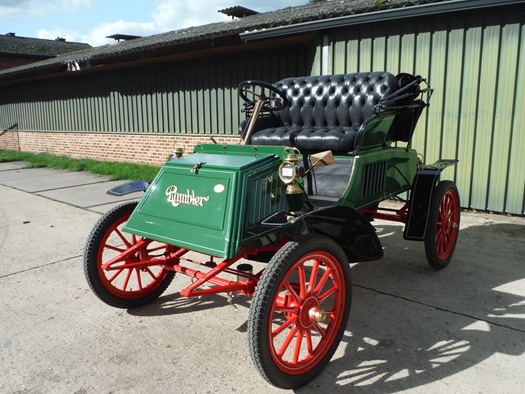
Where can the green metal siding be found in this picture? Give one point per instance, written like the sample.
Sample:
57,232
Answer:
189,97
475,63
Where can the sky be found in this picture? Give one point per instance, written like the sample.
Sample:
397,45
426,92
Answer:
90,21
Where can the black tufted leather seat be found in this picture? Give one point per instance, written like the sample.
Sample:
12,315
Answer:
324,112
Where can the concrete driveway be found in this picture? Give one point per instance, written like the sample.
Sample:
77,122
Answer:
411,329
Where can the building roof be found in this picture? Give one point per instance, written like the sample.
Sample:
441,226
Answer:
25,46
223,33
371,12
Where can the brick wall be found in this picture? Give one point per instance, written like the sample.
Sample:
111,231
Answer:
9,140
131,148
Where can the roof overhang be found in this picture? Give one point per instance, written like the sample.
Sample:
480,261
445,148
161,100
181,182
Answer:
24,56
383,15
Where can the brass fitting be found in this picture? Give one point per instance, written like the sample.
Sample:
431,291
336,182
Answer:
178,151
289,172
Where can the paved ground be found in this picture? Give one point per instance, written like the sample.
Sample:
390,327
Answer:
411,329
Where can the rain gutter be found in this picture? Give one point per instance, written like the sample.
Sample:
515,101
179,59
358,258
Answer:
383,15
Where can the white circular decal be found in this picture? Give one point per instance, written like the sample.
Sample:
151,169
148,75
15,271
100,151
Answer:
218,188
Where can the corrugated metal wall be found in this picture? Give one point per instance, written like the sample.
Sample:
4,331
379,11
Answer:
476,65
190,97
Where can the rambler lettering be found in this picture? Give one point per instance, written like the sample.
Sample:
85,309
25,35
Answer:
188,198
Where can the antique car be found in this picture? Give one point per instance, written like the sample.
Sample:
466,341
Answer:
296,198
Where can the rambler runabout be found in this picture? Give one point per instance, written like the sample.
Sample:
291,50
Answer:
317,156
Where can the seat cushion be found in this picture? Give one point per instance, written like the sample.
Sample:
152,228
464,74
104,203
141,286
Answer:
336,139
325,112
276,136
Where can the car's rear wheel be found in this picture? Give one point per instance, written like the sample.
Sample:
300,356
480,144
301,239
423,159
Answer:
443,225
121,284
299,311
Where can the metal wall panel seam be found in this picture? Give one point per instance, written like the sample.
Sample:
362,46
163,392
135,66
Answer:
498,43
451,94
379,49
436,74
422,65
407,53
515,185
485,126
509,50
469,101
352,49
365,51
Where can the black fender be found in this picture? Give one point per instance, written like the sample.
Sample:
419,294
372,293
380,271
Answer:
128,188
349,228
423,187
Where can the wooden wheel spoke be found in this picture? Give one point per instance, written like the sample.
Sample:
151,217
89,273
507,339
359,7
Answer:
323,280
126,281
286,309
313,276
320,330
283,326
327,293
123,238
439,242
114,248
287,341
147,270
302,282
309,345
298,343
139,279
292,291
110,265
119,271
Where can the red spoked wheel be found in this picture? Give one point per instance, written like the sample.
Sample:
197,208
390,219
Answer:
299,311
443,225
112,258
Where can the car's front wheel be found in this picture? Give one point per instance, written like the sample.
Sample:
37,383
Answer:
114,274
299,311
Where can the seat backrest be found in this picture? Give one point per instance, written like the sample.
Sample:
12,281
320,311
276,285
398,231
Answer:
342,100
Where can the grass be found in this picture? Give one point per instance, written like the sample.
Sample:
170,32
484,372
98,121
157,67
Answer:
117,171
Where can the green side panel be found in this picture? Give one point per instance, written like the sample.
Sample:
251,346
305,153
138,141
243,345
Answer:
266,195
379,176
198,209
377,133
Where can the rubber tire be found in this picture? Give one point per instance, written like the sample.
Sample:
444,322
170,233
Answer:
91,264
260,310
436,259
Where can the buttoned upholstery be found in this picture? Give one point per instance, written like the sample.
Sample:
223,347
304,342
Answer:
324,112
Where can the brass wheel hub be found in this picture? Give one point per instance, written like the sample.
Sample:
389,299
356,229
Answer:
310,313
